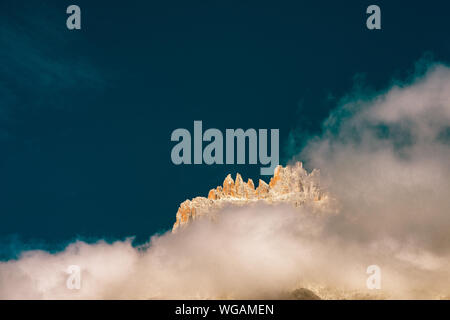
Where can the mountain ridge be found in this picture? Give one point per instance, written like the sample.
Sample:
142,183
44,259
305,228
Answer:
291,184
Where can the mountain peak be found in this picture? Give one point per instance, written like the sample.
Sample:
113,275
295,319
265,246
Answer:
290,184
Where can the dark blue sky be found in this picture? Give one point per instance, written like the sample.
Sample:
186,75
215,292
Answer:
86,116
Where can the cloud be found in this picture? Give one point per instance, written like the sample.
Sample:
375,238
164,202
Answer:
254,252
383,157
386,160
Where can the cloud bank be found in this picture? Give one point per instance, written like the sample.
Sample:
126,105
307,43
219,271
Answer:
383,157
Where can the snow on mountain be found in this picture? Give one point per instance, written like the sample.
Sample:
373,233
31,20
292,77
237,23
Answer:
290,184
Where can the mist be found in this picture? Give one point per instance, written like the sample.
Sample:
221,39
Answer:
384,160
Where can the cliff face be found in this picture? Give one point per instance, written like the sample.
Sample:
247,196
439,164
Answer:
290,184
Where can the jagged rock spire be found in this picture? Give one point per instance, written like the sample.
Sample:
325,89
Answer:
291,184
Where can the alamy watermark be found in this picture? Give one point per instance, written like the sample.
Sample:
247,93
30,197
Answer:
373,22
73,282
213,152
73,22
374,280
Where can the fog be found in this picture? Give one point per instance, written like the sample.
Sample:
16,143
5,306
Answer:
384,159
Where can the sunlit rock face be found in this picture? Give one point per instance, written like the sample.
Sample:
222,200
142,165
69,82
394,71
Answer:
290,184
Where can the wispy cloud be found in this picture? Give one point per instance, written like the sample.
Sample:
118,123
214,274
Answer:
37,67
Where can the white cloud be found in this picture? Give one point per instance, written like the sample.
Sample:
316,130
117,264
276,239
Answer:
385,158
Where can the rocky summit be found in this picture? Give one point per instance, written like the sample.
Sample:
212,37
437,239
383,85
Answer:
291,184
